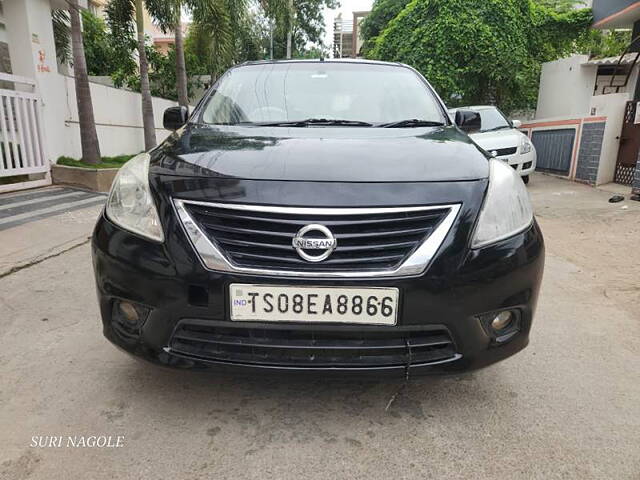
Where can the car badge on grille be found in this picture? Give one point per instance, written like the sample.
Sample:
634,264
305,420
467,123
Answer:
314,237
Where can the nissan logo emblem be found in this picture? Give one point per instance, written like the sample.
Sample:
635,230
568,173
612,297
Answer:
314,237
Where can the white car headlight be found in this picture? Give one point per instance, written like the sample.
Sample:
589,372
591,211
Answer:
507,208
130,204
525,146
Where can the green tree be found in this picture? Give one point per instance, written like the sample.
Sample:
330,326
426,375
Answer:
61,34
168,15
314,52
101,49
216,28
98,46
481,51
309,26
302,21
596,43
601,44
239,34
561,6
382,12
124,18
163,74
253,37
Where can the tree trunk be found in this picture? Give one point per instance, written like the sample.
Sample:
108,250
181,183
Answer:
271,39
181,69
290,29
88,136
148,122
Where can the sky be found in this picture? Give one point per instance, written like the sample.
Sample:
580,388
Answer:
347,7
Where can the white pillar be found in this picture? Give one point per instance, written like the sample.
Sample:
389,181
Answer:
33,55
30,38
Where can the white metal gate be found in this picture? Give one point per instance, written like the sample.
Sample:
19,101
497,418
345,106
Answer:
22,146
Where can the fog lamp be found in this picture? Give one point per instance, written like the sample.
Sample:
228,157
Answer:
129,313
502,320
501,326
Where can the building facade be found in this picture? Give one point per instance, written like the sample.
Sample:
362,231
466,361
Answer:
347,40
587,125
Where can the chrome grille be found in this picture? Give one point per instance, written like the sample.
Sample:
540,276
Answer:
261,238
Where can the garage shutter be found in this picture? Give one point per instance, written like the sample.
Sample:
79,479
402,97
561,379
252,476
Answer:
554,148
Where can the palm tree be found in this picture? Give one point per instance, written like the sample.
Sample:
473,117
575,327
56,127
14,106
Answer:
181,69
168,15
145,89
61,35
217,24
121,16
88,135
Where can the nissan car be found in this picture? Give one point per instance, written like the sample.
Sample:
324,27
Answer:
501,138
319,216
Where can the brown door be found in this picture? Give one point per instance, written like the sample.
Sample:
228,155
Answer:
629,146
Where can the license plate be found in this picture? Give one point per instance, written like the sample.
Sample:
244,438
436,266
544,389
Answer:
271,303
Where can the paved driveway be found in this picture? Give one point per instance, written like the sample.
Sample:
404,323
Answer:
566,407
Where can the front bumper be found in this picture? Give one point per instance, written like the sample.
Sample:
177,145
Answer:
524,164
171,283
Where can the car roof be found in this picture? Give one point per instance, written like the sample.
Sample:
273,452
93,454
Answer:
476,107
361,61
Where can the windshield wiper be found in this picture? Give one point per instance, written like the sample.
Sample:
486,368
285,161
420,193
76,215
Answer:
316,121
494,129
232,123
410,123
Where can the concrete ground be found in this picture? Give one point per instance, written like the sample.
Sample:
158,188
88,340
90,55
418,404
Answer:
38,224
566,407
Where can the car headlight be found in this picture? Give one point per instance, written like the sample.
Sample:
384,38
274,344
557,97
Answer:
130,204
507,208
525,146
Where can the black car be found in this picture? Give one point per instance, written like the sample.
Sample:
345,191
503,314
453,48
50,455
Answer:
319,216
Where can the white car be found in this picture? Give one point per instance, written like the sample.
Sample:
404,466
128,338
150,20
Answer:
501,138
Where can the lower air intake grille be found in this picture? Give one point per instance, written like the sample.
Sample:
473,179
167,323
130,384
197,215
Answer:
341,348
259,238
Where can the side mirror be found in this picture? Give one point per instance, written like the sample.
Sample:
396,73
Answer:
516,123
175,117
468,121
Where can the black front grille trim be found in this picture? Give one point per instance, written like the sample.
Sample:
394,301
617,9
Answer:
317,347
501,152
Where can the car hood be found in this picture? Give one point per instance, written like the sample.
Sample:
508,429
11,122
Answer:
498,139
321,154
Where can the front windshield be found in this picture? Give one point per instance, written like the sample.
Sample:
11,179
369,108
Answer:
493,119
289,92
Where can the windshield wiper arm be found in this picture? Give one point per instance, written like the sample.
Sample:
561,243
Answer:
412,122
494,129
316,121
